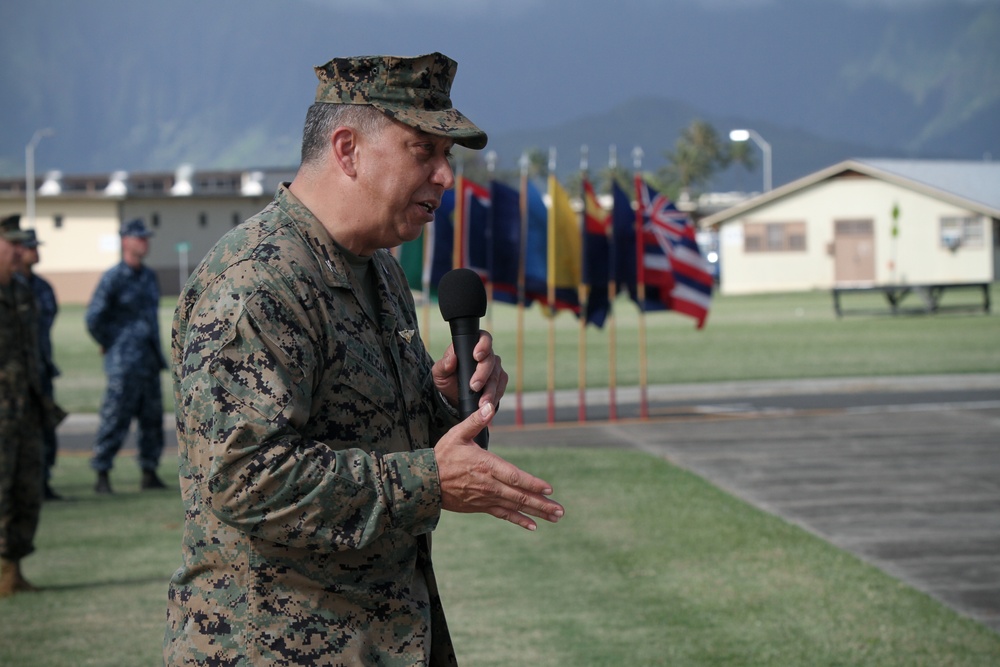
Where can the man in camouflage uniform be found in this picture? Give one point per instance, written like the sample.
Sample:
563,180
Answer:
318,439
123,317
48,308
21,414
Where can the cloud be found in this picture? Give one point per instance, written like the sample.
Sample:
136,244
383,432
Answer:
445,9
459,10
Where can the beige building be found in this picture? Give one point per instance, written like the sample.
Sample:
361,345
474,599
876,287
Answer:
77,219
865,223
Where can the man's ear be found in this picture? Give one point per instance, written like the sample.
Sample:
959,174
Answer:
343,148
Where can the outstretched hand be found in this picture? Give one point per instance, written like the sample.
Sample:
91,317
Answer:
475,480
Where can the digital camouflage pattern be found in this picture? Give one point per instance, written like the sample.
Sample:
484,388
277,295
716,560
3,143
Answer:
123,317
304,421
48,308
414,91
21,411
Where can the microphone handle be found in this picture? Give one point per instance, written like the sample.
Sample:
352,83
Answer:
465,336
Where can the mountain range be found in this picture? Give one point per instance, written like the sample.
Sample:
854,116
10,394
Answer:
148,86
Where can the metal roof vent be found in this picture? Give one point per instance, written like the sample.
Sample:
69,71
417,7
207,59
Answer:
182,181
117,186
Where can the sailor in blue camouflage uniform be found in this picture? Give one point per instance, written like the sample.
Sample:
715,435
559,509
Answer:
48,308
123,317
318,440
21,414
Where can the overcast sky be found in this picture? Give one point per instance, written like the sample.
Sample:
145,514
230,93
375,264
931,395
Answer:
549,60
523,64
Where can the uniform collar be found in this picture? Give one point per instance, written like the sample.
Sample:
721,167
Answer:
331,261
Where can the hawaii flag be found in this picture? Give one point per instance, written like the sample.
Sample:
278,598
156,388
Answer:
678,271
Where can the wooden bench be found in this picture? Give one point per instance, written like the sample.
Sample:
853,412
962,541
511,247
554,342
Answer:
929,294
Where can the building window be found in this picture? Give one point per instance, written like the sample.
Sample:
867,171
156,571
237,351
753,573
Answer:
57,221
959,231
154,220
203,220
774,237
237,219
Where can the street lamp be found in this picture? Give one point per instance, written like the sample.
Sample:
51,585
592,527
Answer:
743,135
29,168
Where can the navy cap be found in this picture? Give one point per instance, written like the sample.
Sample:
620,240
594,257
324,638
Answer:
136,228
32,240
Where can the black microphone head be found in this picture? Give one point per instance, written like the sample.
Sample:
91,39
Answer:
461,294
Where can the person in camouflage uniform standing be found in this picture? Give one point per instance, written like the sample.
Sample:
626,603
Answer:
123,317
48,308
318,440
21,413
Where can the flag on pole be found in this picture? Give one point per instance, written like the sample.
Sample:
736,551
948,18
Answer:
536,274
564,272
597,267
504,224
473,217
624,248
674,267
427,258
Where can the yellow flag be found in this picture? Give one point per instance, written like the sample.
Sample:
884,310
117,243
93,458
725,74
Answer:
564,240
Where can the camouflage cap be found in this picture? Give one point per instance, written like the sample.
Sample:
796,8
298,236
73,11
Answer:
10,229
136,228
414,91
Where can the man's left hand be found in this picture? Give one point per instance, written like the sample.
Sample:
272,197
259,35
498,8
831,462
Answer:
489,377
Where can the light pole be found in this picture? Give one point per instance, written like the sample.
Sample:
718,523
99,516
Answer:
29,168
743,135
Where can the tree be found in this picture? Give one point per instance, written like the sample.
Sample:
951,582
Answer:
697,156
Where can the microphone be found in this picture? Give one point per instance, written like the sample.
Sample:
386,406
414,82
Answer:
462,299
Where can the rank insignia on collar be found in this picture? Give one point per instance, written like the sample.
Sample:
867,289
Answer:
407,334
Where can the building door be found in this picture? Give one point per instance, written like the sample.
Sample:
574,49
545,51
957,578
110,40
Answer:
853,252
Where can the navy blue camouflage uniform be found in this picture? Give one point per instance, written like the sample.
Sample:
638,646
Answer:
123,318
48,308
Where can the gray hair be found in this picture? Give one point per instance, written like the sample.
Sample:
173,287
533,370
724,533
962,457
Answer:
323,118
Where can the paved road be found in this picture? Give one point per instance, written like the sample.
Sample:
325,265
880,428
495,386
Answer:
903,472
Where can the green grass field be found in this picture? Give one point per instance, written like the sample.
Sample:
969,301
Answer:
651,566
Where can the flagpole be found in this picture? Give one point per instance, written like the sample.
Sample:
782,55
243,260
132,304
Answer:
612,293
551,288
583,295
519,385
427,237
640,282
458,226
491,163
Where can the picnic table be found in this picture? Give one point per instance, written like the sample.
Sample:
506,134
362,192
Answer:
929,295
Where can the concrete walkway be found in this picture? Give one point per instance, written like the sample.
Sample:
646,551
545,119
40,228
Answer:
910,485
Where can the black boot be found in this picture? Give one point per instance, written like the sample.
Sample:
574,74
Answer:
103,485
151,481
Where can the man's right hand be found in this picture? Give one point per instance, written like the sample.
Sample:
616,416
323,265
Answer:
475,480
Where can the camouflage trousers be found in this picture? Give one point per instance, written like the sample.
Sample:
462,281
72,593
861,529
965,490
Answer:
130,396
50,443
21,476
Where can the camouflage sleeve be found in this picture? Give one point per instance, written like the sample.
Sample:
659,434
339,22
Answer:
247,383
96,315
